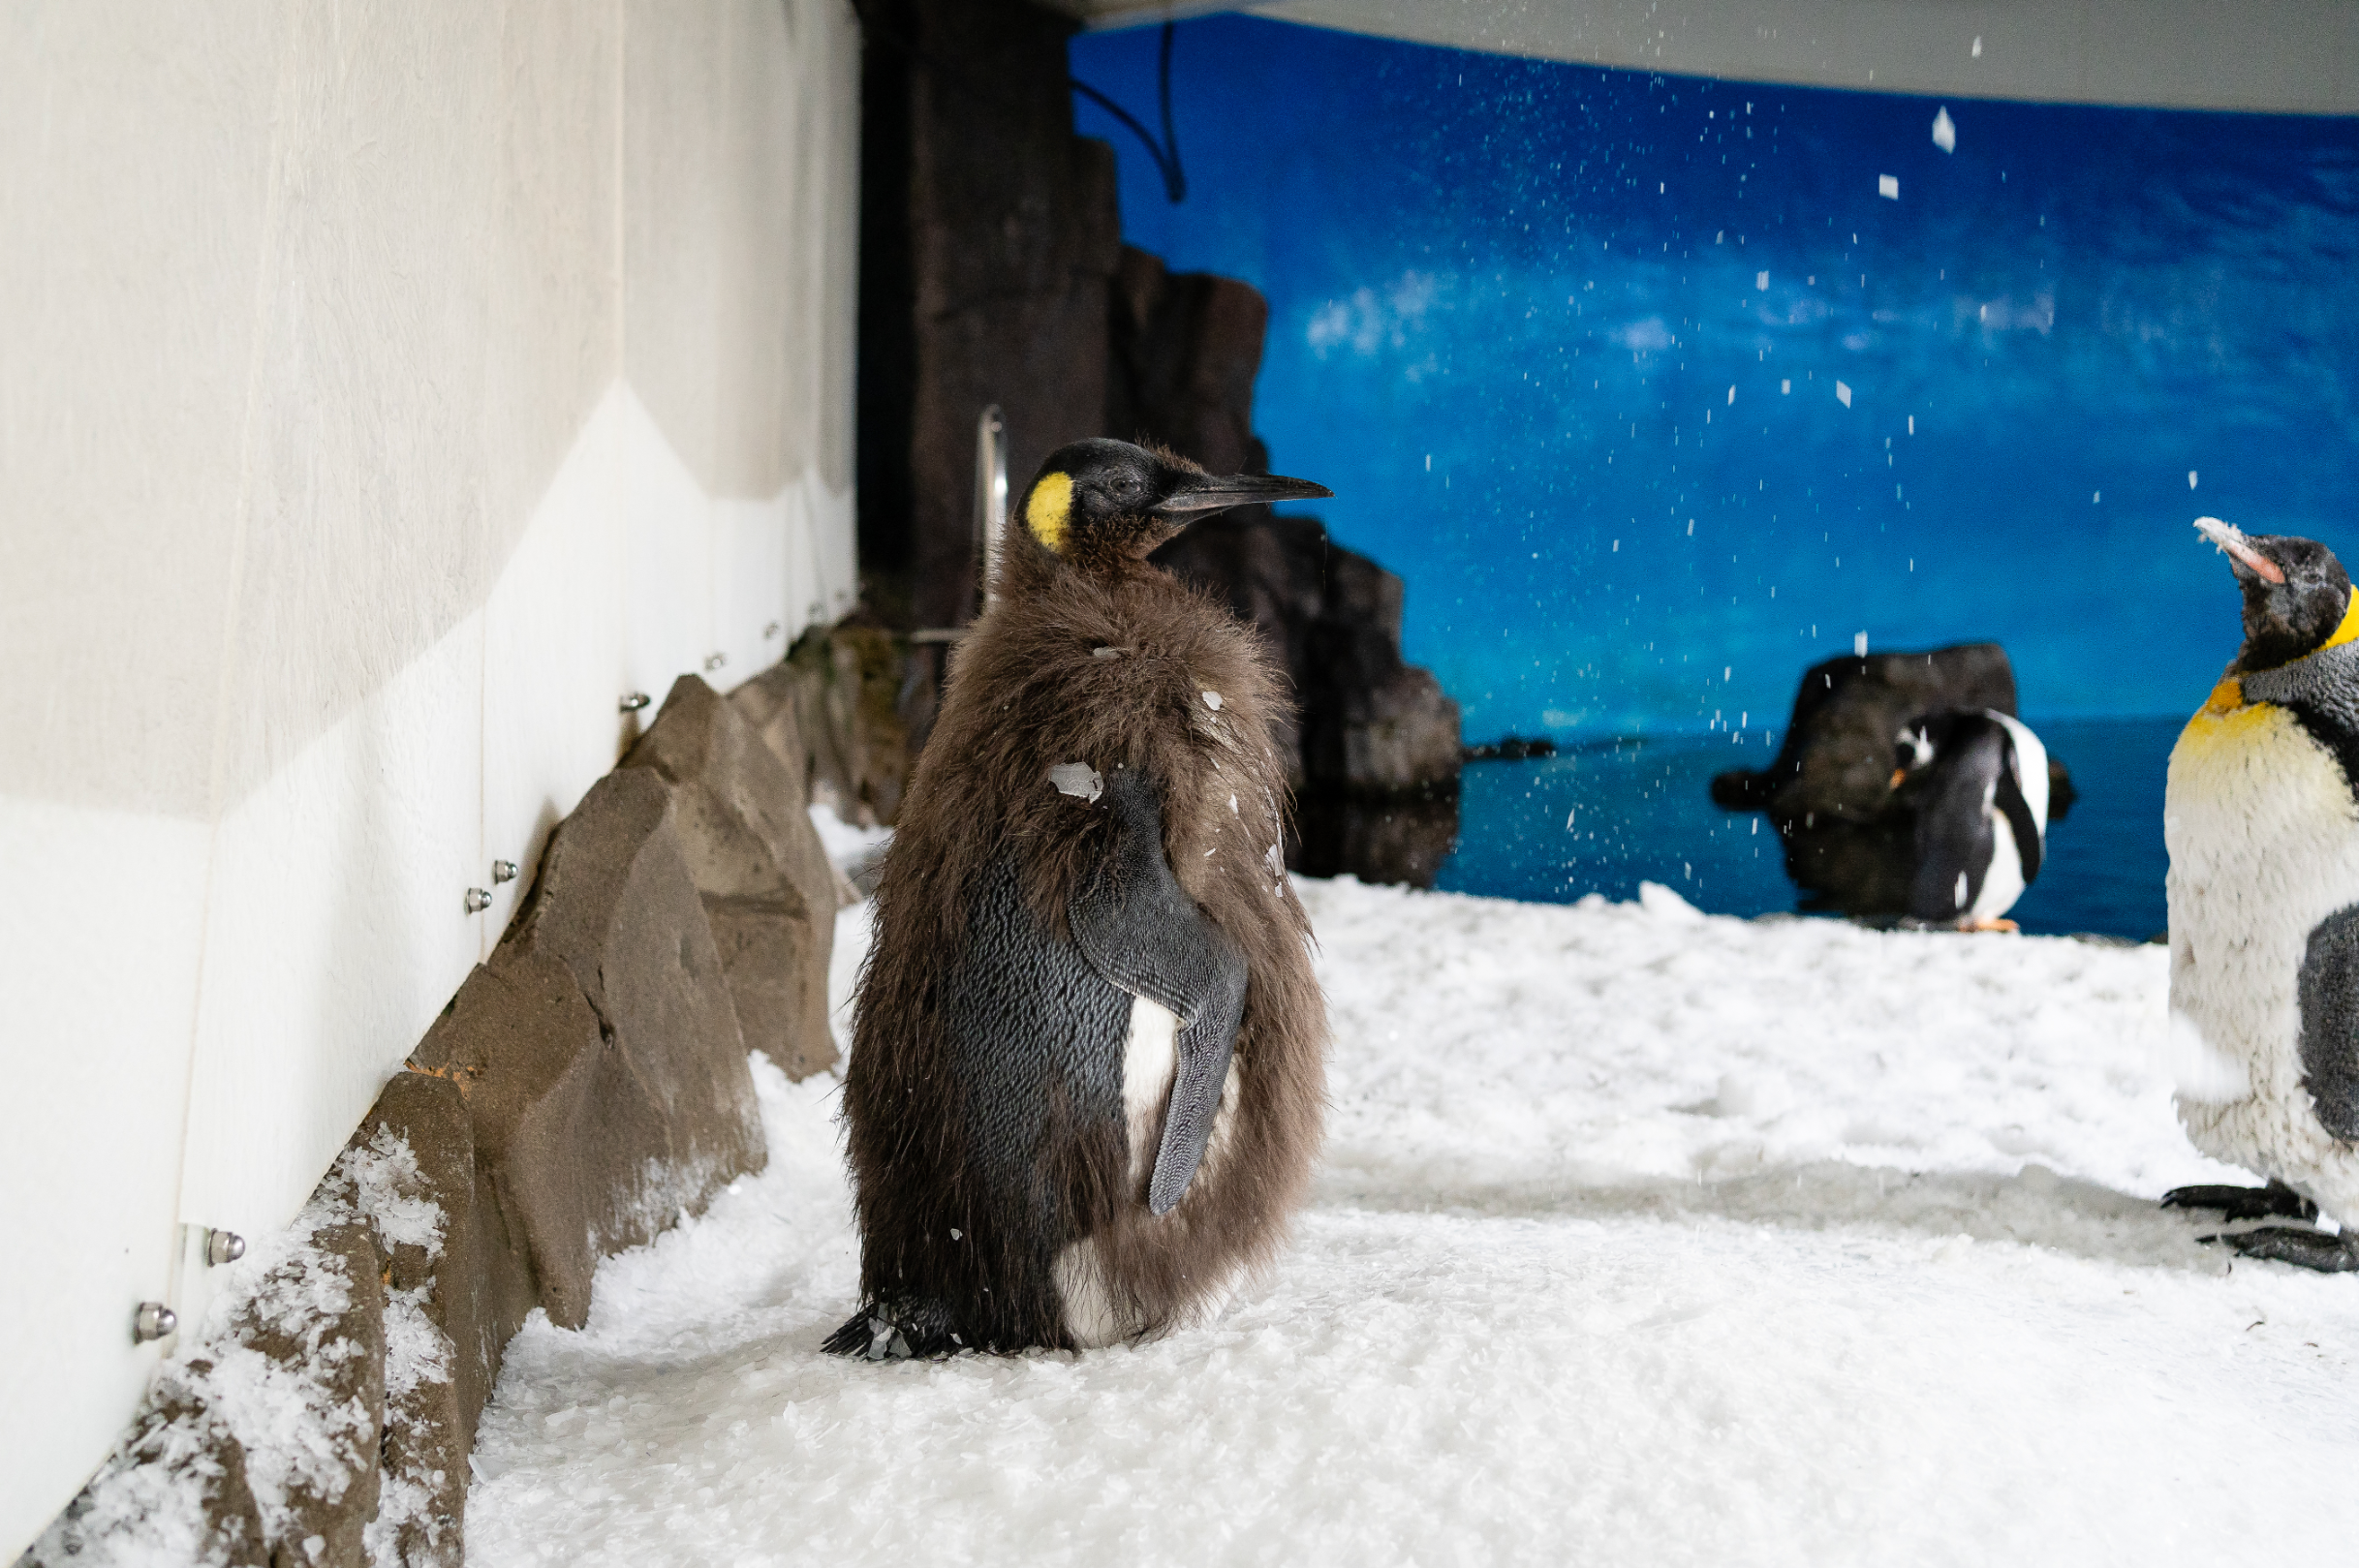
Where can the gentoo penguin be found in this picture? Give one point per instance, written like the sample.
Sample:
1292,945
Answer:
2261,818
1087,1074
1979,782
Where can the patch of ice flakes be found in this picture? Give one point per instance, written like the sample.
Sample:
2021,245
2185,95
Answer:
1557,1136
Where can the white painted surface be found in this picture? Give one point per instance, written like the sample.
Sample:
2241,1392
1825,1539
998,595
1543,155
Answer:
390,388
2286,56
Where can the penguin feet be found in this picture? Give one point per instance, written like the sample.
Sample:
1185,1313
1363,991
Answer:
2007,926
899,1331
2276,1201
2312,1250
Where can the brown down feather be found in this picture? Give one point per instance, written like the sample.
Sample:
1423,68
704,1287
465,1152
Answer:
1027,690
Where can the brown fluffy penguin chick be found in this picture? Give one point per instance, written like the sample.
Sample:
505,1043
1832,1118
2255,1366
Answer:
1087,1069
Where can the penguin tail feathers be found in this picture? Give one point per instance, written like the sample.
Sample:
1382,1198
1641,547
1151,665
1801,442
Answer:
898,1330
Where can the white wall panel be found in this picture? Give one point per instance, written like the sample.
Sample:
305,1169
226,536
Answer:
553,674
334,931
390,388
99,938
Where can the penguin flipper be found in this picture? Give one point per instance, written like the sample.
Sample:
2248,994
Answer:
1143,933
2328,987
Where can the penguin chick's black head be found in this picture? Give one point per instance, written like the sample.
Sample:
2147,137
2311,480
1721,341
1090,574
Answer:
2296,592
1098,502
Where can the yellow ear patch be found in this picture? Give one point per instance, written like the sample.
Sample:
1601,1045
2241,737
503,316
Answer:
2348,631
1049,509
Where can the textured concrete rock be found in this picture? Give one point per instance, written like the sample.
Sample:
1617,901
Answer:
598,1050
847,695
769,893
478,1286
455,1290
316,1320
174,1491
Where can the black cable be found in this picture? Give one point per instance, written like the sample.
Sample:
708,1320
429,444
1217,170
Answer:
1165,153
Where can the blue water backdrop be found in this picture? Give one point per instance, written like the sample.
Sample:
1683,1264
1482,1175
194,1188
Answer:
1655,398
1573,347
1605,815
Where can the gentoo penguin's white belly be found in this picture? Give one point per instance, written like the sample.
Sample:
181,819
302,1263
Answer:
1095,1315
2264,844
2002,878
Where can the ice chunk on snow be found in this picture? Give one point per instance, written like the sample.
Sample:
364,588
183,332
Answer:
1762,1094
1663,904
1944,136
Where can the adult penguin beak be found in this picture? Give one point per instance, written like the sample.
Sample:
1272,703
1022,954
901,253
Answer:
1200,493
2247,559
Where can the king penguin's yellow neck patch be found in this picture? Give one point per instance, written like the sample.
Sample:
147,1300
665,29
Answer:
1050,507
2348,631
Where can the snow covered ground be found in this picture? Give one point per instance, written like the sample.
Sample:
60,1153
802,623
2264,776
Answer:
1643,1237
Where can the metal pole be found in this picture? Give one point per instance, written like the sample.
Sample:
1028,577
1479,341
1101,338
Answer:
990,496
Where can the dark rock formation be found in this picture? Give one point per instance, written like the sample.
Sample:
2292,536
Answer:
1402,840
1850,838
1371,725
1184,351
1511,748
992,273
988,233
769,894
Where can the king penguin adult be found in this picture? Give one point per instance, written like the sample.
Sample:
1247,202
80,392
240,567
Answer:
2261,818
1087,1069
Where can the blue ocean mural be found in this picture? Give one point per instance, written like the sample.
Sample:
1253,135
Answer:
1658,389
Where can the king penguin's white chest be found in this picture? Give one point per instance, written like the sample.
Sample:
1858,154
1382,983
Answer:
2263,835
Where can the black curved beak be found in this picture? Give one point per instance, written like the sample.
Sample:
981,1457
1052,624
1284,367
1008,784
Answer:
1203,493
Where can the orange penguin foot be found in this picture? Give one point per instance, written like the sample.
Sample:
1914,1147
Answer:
2007,926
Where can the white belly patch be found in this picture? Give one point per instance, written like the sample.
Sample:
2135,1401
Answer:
1096,1312
2264,844
2002,878
1150,1056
